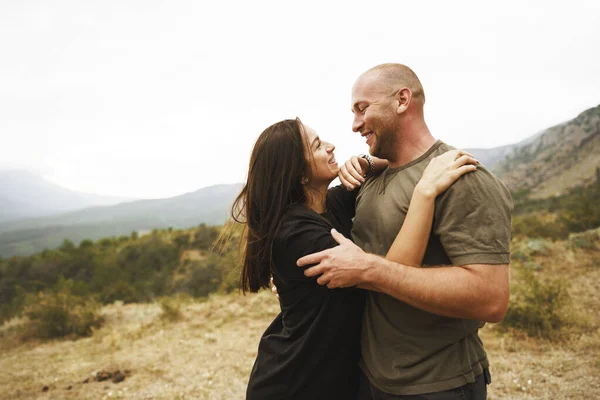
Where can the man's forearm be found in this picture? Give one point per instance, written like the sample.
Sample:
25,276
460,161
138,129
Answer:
475,291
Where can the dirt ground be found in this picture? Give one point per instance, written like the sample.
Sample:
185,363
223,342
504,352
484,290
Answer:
208,353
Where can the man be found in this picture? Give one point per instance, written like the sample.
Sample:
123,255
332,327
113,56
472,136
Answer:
420,328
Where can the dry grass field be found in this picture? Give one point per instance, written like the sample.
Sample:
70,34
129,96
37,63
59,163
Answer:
209,351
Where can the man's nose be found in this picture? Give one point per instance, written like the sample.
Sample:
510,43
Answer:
357,123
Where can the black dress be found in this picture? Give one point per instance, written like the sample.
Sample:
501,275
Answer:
312,348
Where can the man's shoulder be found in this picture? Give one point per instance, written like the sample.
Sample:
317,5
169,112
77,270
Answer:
480,188
441,147
482,176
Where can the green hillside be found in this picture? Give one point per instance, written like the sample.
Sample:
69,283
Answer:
127,268
208,205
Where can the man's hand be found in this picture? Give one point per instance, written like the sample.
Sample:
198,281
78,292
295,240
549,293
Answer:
352,173
340,266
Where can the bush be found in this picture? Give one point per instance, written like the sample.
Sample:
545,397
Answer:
581,211
537,308
589,240
539,247
120,290
204,280
523,249
171,309
535,227
60,313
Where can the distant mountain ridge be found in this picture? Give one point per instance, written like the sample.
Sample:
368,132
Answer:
24,194
546,164
492,157
210,202
552,161
208,205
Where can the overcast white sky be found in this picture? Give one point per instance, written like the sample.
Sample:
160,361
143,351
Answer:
156,98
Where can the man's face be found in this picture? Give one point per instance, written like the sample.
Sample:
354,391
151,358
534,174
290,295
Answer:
375,116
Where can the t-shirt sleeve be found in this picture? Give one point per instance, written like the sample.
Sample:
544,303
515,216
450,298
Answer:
473,220
342,201
299,236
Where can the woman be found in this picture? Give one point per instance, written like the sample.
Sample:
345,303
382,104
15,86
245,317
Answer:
311,349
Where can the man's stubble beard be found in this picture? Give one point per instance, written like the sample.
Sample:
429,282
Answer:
385,146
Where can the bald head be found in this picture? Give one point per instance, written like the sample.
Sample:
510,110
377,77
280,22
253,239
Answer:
393,77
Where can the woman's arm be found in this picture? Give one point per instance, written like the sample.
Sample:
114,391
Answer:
356,170
411,242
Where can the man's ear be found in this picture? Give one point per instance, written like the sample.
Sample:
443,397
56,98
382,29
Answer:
403,99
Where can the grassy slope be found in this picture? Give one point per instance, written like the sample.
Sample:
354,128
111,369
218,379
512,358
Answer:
562,157
209,353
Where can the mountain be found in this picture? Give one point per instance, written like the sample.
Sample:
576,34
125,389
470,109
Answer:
552,161
209,205
24,194
546,164
492,157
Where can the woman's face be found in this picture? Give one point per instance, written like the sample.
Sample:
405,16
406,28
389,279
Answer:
323,167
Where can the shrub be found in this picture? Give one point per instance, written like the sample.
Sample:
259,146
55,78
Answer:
537,308
60,313
523,249
581,211
539,247
535,227
120,290
230,273
171,309
588,240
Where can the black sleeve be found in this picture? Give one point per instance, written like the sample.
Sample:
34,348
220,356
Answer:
342,201
300,234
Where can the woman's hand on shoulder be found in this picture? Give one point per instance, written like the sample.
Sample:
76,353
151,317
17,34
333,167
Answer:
444,170
352,172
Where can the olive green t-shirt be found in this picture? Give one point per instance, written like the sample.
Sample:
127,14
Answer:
406,350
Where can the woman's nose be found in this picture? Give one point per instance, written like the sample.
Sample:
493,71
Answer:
330,147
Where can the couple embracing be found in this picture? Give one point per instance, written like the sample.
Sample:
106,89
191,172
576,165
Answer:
385,280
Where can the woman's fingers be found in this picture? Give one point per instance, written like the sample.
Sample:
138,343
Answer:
460,153
349,177
357,170
460,171
344,182
465,159
453,155
274,288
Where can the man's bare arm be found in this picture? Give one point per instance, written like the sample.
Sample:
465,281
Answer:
477,291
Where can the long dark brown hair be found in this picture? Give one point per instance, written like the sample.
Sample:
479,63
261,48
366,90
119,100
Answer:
277,166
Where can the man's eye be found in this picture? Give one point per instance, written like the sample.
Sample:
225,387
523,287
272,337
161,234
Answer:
362,110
